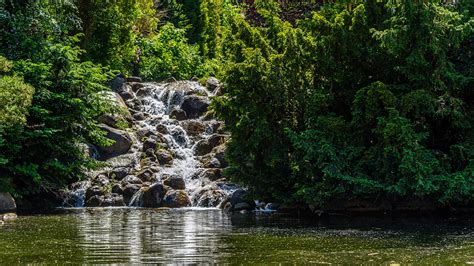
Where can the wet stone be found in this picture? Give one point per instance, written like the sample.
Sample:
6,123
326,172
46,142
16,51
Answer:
175,182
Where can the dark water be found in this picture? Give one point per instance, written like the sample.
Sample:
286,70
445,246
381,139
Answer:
211,236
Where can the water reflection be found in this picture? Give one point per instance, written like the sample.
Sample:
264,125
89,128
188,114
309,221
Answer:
143,236
137,236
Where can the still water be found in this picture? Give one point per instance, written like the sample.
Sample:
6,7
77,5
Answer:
210,236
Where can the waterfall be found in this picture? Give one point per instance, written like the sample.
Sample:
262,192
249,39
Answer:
175,157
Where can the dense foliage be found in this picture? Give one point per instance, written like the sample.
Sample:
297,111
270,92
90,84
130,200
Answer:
325,100
50,99
367,101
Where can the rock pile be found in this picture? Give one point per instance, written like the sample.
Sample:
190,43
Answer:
168,150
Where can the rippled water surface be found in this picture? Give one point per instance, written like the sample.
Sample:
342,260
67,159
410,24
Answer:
211,236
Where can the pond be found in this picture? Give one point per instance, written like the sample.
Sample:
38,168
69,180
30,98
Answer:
128,235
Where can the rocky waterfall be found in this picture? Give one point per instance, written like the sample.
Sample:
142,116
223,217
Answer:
168,151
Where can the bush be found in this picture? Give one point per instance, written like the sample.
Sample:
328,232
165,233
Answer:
357,101
168,54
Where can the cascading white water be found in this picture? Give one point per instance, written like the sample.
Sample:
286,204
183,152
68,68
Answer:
158,100
154,107
159,103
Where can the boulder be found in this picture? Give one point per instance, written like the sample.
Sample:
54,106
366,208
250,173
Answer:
176,199
139,116
239,197
117,189
162,129
95,201
150,143
93,191
128,192
150,153
202,147
143,92
144,133
164,156
119,173
7,203
117,83
195,105
117,101
110,120
147,162
121,145
131,179
219,154
210,162
175,182
124,160
210,198
217,140
212,174
193,127
145,175
153,195
178,114
127,95
113,200
205,146
212,83
133,103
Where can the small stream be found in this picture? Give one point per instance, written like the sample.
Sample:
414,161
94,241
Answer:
194,235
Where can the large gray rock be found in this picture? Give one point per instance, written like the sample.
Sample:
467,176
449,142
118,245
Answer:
193,127
7,203
212,174
93,191
153,195
95,201
119,173
209,198
145,175
131,179
121,145
128,191
217,140
113,200
239,201
205,146
176,199
178,114
164,157
175,182
195,106
202,147
150,143
124,160
123,114
117,83
212,83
